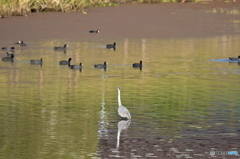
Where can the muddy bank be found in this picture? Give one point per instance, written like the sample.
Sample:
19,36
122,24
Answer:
166,20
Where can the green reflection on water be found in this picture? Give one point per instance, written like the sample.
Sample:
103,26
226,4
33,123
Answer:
53,111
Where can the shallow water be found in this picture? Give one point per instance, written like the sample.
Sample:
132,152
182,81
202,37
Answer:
183,102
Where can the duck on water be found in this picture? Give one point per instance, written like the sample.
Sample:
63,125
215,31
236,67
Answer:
65,62
36,62
234,59
61,47
76,66
111,46
10,59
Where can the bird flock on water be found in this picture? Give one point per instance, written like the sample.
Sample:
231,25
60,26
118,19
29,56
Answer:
122,111
10,56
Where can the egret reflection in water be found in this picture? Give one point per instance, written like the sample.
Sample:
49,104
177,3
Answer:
122,125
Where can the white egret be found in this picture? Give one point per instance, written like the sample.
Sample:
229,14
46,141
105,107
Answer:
122,111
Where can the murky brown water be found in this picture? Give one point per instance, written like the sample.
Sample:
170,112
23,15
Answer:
183,102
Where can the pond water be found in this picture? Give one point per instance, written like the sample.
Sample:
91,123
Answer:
184,102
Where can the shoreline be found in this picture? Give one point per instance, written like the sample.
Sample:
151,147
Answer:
133,21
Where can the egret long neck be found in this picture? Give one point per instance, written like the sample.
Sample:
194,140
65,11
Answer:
119,98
